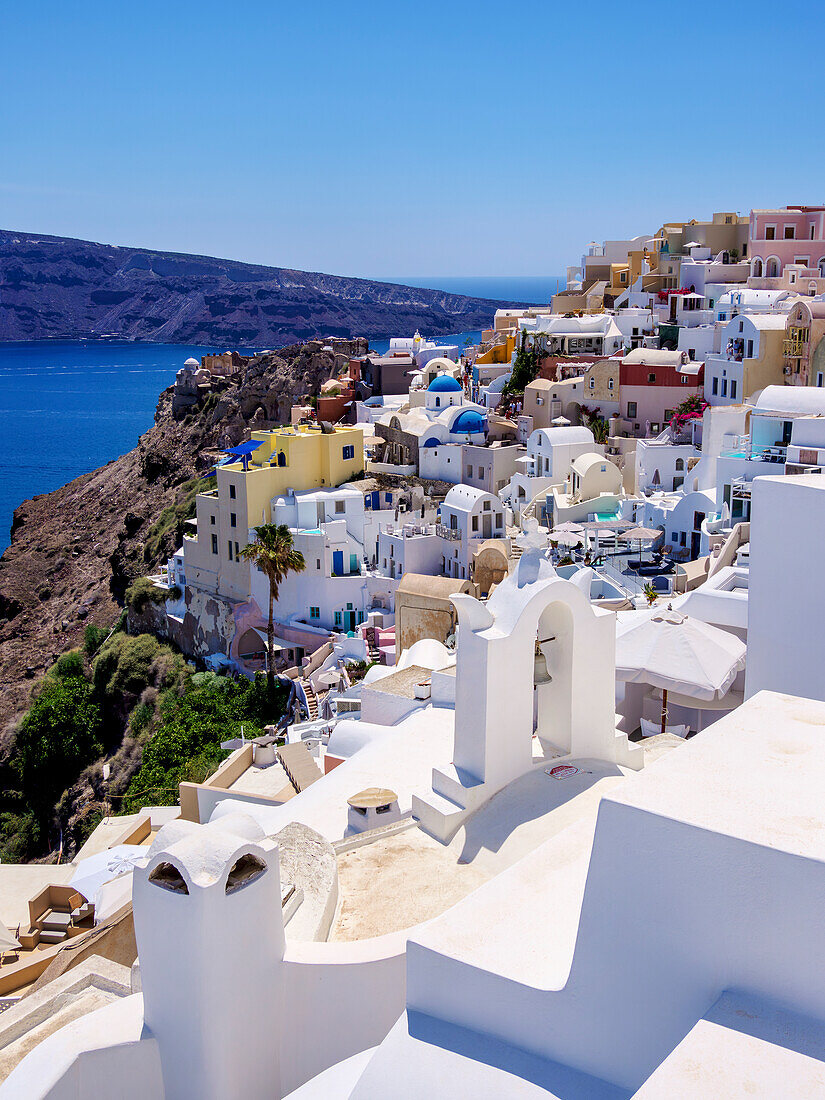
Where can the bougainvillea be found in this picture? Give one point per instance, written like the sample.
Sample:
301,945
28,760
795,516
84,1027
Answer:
692,408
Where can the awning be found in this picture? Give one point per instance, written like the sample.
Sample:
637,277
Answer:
242,449
278,643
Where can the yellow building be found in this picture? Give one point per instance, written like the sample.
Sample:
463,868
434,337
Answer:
299,458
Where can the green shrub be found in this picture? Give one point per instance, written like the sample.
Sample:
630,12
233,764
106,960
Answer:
140,718
143,592
130,662
185,746
69,664
93,639
20,837
57,738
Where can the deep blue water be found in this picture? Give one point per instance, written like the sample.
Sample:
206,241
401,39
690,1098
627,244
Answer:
67,408
529,290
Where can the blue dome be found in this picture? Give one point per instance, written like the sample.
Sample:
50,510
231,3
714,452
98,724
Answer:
431,442
468,421
444,383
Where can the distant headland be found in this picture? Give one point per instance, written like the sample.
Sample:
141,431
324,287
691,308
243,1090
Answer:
59,287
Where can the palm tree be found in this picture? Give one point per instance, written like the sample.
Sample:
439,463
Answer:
275,555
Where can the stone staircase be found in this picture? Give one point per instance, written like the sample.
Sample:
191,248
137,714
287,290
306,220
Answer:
312,700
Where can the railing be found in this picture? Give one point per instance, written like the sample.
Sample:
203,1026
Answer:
793,349
448,533
630,582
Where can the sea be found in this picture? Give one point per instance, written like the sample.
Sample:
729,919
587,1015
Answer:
67,407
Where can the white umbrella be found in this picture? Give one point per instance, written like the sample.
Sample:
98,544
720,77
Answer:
8,941
102,867
678,653
560,422
565,538
569,528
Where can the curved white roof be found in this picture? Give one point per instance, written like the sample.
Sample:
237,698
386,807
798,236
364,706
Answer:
350,735
584,462
793,400
426,653
464,496
572,433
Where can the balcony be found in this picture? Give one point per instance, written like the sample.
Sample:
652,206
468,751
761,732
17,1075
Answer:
794,348
449,533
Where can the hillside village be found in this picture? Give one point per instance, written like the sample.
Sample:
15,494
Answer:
514,785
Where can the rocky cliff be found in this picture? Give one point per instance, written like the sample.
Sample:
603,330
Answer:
61,287
73,552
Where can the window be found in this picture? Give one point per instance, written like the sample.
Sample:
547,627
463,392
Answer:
212,520
338,618
315,613
499,520
724,387
486,506
214,544
685,379
453,523
231,492
790,232
229,544
592,383
631,410
770,232
340,507
237,553
750,349
741,326
610,384
668,414
651,378
349,452
813,231
804,260
680,464
318,564
683,539
469,471
820,379
233,520
475,523
733,388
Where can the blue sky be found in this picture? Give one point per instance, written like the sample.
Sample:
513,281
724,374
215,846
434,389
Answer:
437,138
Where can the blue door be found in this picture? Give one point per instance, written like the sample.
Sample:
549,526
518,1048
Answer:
338,562
376,499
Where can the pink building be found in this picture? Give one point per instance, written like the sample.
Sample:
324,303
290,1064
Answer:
793,235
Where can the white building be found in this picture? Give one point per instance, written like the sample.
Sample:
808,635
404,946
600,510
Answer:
549,458
410,548
469,517
591,334
733,372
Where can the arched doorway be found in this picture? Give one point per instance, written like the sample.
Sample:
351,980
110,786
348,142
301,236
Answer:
772,268
756,268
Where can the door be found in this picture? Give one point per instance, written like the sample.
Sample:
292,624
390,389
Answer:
376,499
350,620
338,562
487,526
